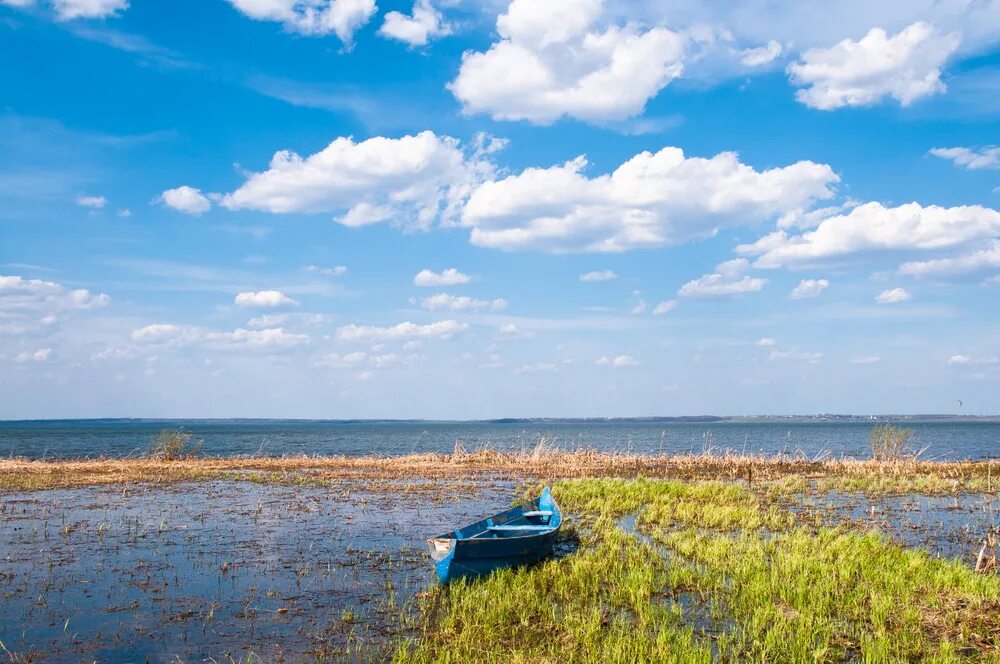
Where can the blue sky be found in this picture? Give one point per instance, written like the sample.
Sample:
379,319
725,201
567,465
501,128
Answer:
337,208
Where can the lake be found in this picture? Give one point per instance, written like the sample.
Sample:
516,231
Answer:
54,439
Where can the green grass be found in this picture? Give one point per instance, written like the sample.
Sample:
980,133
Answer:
714,572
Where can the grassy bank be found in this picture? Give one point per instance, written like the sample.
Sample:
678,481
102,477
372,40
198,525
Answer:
785,473
699,571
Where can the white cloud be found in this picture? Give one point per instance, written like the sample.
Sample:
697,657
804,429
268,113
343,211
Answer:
537,367
170,335
551,61
666,306
340,360
449,277
413,180
40,355
639,308
92,202
808,288
985,259
972,159
766,342
461,303
893,296
651,200
965,360
873,226
124,213
70,9
762,55
617,361
312,17
905,66
256,339
444,329
418,28
796,354
728,279
186,199
336,271
265,299
35,295
866,359
598,275
511,332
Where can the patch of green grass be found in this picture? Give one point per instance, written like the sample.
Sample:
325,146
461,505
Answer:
715,572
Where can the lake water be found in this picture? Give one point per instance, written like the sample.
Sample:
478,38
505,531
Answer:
93,438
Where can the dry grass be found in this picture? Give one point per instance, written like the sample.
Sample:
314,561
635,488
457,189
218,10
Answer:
859,475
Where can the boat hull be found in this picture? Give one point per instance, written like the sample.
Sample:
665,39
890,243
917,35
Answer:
520,536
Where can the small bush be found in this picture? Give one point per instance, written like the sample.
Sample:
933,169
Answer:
173,445
889,442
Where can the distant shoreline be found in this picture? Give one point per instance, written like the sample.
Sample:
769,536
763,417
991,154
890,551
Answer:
682,419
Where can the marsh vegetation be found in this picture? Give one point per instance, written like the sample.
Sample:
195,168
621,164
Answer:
667,558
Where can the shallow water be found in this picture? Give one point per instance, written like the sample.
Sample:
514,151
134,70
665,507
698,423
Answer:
216,570
946,526
82,438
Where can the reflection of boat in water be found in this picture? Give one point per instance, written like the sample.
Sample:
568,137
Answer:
519,536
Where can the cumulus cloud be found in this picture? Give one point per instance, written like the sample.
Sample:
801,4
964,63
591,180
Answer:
598,275
312,17
461,303
871,227
977,261
335,271
664,307
424,24
762,55
552,60
651,200
808,288
186,199
766,341
265,299
170,335
617,361
970,158
893,296
444,329
69,9
905,66
40,355
511,332
413,180
18,294
92,202
729,278
449,277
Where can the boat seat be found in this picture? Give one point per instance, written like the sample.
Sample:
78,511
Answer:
517,528
539,513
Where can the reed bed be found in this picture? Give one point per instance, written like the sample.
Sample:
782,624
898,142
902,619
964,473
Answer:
785,472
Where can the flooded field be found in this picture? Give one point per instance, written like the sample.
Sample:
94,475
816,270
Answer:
219,570
288,560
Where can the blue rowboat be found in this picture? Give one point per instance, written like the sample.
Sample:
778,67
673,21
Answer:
519,536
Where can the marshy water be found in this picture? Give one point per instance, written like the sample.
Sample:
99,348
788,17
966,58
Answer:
219,569
61,439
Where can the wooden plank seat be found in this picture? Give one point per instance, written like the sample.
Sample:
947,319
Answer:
518,528
538,513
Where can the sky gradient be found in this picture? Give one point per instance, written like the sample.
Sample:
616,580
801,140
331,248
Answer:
458,210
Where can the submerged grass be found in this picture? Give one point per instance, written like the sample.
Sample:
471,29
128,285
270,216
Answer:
715,571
